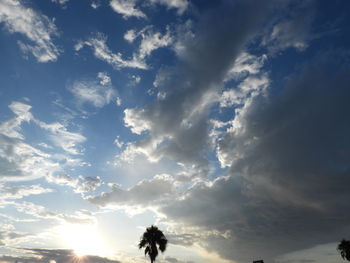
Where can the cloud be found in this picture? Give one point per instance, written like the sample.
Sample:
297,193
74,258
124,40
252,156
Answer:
82,184
130,35
20,191
102,52
180,5
151,41
244,65
8,235
61,2
61,137
95,4
293,31
38,211
12,127
176,124
126,8
98,92
143,194
53,255
22,161
287,153
37,28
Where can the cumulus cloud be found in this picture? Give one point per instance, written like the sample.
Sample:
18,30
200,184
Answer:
130,35
37,28
98,93
127,8
53,255
176,123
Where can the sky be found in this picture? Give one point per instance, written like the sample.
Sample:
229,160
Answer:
224,123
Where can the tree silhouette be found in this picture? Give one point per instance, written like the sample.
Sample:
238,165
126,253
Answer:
344,249
150,239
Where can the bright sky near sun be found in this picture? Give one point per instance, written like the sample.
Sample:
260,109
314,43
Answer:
225,123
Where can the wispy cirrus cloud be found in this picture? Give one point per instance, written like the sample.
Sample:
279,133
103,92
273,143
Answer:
19,160
98,92
36,27
103,52
20,191
151,40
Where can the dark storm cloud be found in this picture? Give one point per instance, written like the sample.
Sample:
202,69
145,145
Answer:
54,255
290,153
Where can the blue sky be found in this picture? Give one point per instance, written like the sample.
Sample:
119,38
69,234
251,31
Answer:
225,123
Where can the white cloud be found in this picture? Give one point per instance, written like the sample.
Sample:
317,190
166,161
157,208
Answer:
180,5
95,4
101,51
61,2
126,8
151,41
18,192
98,92
12,127
130,35
38,211
61,137
245,64
104,78
38,28
21,161
249,87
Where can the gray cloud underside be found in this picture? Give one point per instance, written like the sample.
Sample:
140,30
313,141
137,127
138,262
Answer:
58,255
142,194
176,122
290,157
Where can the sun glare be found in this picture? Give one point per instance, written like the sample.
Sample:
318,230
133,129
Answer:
84,240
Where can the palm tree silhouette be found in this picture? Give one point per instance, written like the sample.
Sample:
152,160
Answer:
344,249
150,239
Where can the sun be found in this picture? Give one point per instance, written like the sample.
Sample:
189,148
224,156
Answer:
83,240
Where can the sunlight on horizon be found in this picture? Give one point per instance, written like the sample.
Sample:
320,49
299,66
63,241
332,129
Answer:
84,240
